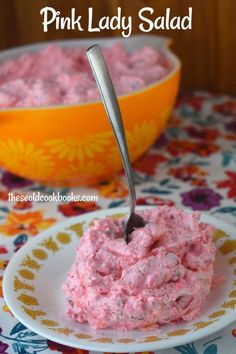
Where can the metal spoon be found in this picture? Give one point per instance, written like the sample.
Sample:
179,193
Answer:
107,92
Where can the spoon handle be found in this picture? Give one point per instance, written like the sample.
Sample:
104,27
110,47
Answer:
109,98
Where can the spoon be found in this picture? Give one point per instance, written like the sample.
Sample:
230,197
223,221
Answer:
110,102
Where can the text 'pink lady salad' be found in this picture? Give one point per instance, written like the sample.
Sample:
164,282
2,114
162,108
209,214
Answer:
163,275
57,75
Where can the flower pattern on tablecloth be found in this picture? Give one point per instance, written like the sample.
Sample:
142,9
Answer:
30,223
192,165
201,199
229,183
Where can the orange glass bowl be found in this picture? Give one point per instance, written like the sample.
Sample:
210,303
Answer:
68,145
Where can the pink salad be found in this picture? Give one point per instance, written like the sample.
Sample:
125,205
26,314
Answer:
58,75
163,275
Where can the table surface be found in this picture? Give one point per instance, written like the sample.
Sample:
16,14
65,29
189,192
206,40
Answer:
192,165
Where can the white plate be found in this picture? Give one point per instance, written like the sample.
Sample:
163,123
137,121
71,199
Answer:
32,290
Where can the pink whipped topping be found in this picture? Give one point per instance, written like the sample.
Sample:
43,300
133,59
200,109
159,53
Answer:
57,75
163,275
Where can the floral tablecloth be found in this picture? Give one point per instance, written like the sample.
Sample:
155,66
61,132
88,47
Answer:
192,165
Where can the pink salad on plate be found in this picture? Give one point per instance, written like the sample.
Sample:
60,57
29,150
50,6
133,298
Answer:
163,275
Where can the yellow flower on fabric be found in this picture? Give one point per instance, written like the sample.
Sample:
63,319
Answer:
138,139
3,264
5,308
30,223
72,148
25,159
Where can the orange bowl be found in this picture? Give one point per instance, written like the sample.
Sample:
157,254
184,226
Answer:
74,144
